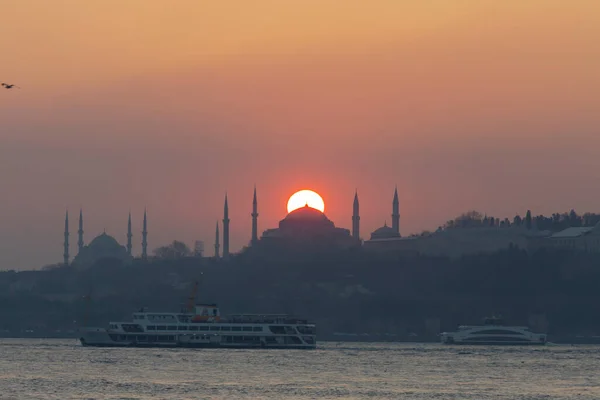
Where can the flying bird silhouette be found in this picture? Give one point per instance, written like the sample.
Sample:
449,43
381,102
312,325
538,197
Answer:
9,86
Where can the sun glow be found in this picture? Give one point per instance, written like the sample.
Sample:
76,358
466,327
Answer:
305,198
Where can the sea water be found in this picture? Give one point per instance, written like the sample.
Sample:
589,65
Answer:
62,369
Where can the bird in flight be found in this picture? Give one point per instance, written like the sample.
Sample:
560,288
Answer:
9,86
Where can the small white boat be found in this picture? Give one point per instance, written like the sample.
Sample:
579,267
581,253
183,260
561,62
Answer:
493,332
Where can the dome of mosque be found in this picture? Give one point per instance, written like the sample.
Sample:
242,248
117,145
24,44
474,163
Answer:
101,247
384,232
306,216
104,242
308,226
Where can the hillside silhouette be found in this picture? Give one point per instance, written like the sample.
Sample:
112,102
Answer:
347,293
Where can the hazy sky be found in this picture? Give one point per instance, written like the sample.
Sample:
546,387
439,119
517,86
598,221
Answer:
480,104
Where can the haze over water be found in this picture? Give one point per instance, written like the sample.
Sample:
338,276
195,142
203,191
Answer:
464,105
60,369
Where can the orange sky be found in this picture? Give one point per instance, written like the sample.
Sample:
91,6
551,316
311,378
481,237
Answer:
129,103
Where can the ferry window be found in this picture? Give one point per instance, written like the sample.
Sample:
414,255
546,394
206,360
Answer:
278,330
172,328
193,328
161,328
203,328
257,329
225,328
236,328
215,328
183,328
132,328
247,328
151,327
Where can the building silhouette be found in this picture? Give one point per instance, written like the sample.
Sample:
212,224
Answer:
226,230
145,237
303,226
102,246
396,213
254,214
129,235
66,242
355,218
307,225
217,241
80,231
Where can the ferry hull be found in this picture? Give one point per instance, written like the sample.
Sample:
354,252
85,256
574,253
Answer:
492,343
194,346
519,338
100,338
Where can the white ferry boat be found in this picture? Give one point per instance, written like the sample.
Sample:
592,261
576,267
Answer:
493,332
202,326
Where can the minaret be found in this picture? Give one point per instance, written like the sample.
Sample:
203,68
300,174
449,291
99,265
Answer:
129,234
396,213
66,244
80,232
226,230
144,238
217,241
254,220
355,218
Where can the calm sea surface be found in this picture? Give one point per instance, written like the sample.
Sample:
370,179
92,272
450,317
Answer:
61,369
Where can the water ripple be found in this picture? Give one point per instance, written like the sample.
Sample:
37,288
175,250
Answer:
61,369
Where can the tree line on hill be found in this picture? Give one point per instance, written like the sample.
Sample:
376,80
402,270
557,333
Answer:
555,222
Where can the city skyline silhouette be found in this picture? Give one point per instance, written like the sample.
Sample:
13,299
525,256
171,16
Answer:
467,106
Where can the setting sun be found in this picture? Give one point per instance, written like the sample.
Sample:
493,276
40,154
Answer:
305,198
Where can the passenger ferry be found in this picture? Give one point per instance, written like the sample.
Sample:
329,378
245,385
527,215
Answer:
201,325
204,328
493,332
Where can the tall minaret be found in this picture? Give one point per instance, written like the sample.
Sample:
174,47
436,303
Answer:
80,232
254,219
396,213
355,218
217,241
66,244
226,230
129,234
144,238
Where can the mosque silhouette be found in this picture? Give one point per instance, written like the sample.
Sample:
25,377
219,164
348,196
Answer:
304,225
